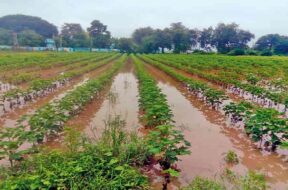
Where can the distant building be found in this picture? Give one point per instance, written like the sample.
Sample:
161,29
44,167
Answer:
50,44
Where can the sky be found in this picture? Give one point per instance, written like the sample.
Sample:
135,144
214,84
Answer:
124,16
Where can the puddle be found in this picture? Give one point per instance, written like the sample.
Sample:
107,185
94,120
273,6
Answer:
211,138
122,100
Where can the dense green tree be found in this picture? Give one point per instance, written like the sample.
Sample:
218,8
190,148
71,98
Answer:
18,23
162,39
180,37
206,39
74,36
267,42
273,43
282,47
141,33
6,37
30,38
126,45
100,36
194,37
227,37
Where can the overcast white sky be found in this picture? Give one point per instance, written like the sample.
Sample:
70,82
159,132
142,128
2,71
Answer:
123,16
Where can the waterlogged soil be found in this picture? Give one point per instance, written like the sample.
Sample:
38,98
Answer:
211,137
232,96
120,98
45,73
10,119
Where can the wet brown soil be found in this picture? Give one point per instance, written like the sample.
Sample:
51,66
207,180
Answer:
120,98
10,119
46,73
232,96
211,137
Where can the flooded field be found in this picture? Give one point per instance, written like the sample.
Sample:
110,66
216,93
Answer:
88,102
211,137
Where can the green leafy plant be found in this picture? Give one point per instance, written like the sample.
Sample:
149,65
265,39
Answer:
231,157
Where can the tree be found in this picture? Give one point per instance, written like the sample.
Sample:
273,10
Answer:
6,37
282,47
18,23
126,45
140,33
30,38
74,36
227,37
162,39
194,37
273,43
206,39
180,37
101,38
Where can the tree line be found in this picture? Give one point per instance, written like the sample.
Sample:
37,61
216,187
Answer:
177,38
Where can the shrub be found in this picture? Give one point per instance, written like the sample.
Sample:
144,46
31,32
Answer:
231,157
266,53
237,52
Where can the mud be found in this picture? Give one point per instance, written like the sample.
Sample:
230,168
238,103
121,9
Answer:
211,137
236,94
8,105
10,119
120,98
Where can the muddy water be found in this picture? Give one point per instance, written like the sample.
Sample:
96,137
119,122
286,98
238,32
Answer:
236,97
211,138
118,99
122,100
10,119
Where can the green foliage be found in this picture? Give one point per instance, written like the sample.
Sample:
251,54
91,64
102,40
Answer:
30,38
10,141
231,157
252,79
74,36
99,34
167,143
237,52
22,77
260,122
212,96
50,118
200,183
164,143
18,23
152,101
88,164
266,53
254,181
6,37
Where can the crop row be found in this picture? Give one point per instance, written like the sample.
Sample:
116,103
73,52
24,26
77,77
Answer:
237,86
261,124
211,96
50,119
41,87
262,67
17,77
39,60
164,143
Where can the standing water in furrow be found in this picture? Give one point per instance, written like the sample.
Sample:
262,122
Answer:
121,100
10,119
212,138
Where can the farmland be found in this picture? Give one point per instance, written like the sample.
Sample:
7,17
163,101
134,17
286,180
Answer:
143,121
